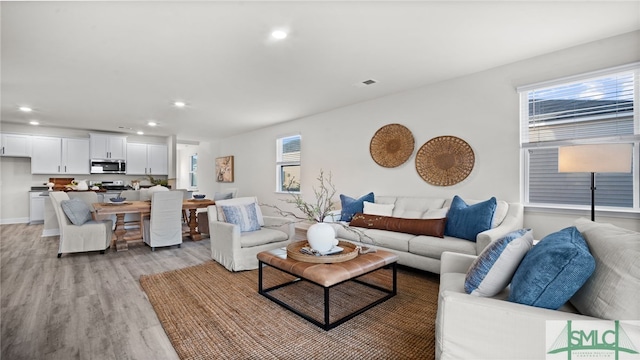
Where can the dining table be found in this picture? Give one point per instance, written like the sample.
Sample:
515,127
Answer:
103,210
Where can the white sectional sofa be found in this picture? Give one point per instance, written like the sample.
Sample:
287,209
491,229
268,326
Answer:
472,327
421,251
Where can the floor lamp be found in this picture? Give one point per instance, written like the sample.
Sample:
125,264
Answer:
597,158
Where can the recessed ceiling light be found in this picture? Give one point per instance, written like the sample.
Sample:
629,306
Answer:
34,122
26,109
179,104
152,123
140,133
279,34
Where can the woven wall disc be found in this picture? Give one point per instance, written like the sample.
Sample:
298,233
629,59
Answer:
392,145
445,160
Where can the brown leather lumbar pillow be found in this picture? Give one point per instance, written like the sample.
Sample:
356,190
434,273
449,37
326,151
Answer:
431,227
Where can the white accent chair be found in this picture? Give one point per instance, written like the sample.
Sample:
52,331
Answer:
164,225
90,236
237,250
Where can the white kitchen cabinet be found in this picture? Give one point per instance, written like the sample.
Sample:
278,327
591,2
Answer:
75,156
15,145
52,155
108,146
46,155
147,159
36,207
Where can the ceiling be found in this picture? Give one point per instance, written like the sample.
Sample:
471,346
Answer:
113,66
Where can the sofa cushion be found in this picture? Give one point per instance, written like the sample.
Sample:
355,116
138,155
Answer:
467,221
387,239
411,207
261,237
242,215
351,206
378,209
433,247
493,269
553,270
613,291
431,227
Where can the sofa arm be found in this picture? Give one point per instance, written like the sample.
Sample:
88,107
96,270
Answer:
283,224
451,262
513,221
472,327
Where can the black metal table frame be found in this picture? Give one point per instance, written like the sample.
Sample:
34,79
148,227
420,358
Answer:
327,325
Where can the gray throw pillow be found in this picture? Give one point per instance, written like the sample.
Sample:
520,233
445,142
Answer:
76,210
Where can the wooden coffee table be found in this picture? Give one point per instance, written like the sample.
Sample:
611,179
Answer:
328,276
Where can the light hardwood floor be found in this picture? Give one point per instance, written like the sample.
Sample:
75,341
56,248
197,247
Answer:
85,305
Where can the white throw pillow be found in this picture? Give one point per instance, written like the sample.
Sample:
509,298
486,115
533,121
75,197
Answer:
493,269
378,209
239,201
502,207
613,290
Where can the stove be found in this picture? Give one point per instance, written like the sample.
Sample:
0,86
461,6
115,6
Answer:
111,185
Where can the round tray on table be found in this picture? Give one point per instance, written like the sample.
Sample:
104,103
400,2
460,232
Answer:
350,252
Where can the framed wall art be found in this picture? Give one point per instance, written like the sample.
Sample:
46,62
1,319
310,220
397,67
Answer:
224,169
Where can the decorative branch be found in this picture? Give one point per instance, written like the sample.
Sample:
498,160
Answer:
315,211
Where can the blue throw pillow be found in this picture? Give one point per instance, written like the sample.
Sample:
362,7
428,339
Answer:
245,216
351,206
493,269
467,221
553,270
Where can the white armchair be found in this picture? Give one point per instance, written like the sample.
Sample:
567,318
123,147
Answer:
237,250
90,236
164,225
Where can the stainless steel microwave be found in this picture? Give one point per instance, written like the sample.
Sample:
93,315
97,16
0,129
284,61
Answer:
99,166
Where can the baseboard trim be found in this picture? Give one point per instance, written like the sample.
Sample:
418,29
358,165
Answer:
24,220
50,232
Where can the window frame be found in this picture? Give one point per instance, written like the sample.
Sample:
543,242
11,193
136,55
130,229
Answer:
193,173
280,163
634,138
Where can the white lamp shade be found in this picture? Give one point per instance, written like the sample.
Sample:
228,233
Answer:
598,158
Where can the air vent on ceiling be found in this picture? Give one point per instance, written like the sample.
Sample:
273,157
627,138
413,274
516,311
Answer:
366,83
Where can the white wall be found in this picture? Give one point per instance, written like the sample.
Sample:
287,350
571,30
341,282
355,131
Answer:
481,108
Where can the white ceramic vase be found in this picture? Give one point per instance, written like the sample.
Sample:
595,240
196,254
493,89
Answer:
321,237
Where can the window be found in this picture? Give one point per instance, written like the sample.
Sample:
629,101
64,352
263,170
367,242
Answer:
594,108
193,171
288,164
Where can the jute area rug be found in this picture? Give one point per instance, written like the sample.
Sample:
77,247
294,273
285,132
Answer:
211,313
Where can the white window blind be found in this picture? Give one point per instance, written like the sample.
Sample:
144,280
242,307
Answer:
593,108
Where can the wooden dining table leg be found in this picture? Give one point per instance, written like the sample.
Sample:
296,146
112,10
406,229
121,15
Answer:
193,224
121,244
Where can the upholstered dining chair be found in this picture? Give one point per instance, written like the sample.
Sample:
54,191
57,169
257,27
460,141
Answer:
164,225
238,232
78,232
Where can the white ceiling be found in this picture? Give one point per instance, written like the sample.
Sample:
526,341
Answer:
106,65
